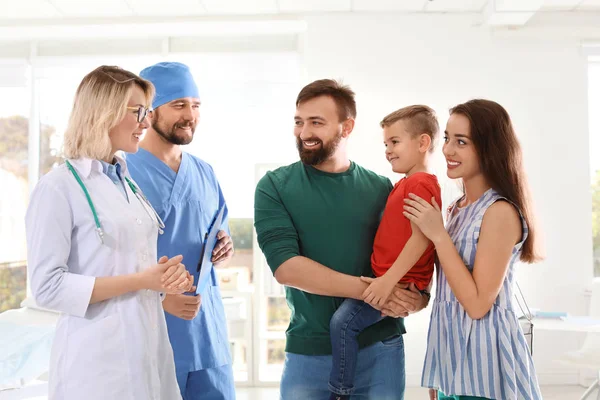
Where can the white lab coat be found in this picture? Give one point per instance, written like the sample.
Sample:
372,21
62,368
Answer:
114,349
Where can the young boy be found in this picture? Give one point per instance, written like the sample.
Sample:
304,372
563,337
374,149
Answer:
401,253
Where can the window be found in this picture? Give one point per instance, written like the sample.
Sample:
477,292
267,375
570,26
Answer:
14,132
237,275
274,313
57,82
594,123
248,101
235,280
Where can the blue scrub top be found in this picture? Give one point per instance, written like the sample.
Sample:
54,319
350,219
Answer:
187,202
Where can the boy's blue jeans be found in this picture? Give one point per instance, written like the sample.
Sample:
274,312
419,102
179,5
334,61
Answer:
380,374
350,319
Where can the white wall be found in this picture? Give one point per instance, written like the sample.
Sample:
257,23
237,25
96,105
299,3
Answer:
394,60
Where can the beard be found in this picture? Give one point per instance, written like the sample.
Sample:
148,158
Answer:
320,153
170,133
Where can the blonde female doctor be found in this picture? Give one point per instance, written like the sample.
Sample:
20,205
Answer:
91,238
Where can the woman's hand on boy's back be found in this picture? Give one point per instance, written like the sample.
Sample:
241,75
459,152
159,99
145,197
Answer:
427,216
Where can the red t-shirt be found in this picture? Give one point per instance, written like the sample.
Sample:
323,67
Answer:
394,229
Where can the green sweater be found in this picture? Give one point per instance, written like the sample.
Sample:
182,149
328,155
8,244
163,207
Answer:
331,219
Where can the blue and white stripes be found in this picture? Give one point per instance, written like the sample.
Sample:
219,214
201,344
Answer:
487,357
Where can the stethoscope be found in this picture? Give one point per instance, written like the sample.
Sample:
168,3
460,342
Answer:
138,193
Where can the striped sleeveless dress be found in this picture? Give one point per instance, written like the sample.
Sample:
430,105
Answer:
487,357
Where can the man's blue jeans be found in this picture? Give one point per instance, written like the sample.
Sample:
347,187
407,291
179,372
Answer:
380,374
350,319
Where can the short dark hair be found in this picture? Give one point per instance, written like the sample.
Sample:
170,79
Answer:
341,94
421,119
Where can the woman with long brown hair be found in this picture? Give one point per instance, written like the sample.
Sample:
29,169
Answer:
476,348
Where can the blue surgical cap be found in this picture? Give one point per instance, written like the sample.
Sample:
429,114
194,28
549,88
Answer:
172,81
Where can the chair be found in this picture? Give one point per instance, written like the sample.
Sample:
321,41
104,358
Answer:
589,354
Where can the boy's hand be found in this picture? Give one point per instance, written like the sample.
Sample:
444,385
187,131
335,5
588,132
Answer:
378,291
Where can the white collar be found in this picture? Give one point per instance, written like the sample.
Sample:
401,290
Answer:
85,166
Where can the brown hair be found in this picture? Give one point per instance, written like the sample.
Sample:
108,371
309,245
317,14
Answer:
421,119
341,94
501,161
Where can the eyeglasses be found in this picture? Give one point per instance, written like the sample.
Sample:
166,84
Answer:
142,112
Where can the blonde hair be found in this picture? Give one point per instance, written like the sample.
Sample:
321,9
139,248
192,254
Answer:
100,104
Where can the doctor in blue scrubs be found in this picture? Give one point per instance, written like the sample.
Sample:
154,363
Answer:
186,194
